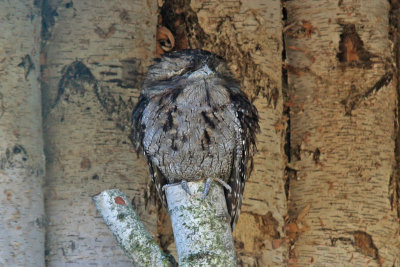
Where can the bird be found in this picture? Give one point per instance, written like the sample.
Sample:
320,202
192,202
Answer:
193,122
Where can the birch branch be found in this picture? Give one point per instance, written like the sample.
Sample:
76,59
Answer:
132,236
202,230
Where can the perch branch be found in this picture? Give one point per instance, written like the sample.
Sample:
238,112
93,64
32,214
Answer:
131,234
202,230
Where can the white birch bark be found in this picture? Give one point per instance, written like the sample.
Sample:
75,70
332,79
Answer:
138,244
22,219
342,134
94,56
248,34
202,230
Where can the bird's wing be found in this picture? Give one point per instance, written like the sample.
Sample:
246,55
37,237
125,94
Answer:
242,163
159,181
138,132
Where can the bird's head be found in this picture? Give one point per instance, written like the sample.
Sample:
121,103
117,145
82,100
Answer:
183,66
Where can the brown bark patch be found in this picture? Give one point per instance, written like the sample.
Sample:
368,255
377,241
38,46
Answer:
295,226
104,34
292,69
165,236
85,163
308,28
268,225
363,242
265,227
351,48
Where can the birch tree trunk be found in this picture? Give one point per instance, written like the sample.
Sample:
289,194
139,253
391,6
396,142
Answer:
342,135
22,219
344,182
94,57
249,36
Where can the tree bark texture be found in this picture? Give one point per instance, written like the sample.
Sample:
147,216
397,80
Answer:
22,219
139,245
202,230
94,56
337,121
249,36
342,136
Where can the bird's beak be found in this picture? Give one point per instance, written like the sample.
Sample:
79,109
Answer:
206,69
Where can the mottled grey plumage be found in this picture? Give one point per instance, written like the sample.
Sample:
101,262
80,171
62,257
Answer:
193,122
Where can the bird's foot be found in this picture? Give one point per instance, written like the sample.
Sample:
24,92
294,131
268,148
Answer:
184,185
208,185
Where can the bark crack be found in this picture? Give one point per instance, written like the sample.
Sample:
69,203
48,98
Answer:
394,183
48,19
290,173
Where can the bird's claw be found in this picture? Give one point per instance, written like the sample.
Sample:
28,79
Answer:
184,185
208,185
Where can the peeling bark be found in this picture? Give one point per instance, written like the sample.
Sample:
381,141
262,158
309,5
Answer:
22,220
93,59
344,105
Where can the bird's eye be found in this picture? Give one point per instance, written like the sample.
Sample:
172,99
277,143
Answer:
181,71
185,70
